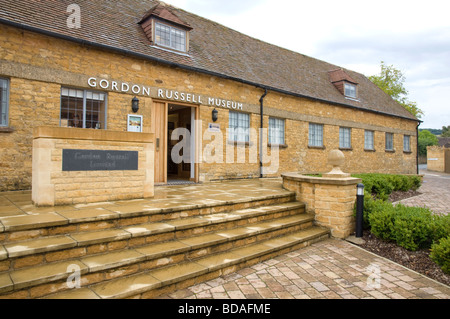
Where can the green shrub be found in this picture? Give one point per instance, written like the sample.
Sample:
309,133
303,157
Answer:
382,185
440,254
381,219
412,227
441,226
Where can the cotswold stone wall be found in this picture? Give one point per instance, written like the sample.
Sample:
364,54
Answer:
38,66
436,158
54,185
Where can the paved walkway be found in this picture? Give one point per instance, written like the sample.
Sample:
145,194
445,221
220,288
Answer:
333,269
435,193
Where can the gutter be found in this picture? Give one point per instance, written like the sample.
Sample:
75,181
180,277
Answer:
184,67
261,107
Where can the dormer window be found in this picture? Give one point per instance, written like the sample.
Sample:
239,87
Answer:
170,37
350,90
165,30
344,83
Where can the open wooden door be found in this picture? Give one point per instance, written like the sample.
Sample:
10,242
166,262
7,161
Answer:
159,127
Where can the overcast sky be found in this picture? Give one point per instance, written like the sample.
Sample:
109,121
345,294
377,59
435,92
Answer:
413,36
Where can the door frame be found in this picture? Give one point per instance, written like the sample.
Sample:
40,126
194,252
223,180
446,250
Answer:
195,137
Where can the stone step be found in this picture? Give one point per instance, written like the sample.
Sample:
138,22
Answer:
49,248
63,220
150,284
119,263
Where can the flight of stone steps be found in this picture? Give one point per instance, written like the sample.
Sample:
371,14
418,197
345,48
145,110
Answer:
143,253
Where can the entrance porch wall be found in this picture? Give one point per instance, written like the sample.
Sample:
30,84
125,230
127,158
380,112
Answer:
331,200
52,186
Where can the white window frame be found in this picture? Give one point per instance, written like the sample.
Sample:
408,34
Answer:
350,90
369,140
345,137
389,139
407,143
239,127
315,135
85,95
171,42
276,131
4,103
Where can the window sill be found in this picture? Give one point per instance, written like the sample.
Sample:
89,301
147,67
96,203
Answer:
389,151
345,148
279,145
407,152
6,129
316,147
369,150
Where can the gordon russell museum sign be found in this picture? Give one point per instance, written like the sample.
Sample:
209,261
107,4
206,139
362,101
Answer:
173,95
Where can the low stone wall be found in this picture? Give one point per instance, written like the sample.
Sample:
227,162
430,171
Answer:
97,166
436,158
331,200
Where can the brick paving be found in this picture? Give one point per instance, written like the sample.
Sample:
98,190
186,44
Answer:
435,193
333,269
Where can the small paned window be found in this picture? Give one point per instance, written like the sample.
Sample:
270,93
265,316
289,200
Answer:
369,140
345,137
276,131
239,127
83,109
170,37
350,90
4,101
389,141
315,135
407,143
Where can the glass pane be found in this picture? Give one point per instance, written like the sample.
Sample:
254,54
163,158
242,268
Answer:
75,114
95,111
3,102
162,34
276,131
239,124
368,140
315,135
71,108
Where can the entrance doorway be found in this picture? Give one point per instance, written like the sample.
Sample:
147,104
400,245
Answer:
175,143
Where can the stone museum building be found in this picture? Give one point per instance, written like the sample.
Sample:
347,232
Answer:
216,104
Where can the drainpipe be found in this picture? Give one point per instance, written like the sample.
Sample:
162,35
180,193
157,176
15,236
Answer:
261,101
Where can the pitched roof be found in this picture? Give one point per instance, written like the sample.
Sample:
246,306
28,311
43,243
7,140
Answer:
340,75
214,49
162,11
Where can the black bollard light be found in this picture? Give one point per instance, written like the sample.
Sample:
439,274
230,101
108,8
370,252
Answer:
359,210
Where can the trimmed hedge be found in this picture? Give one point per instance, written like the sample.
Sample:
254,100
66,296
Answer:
382,185
440,254
410,227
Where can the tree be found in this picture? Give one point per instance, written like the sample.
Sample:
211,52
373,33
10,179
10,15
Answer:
446,131
391,80
426,138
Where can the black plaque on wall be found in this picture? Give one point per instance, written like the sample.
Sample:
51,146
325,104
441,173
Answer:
99,160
